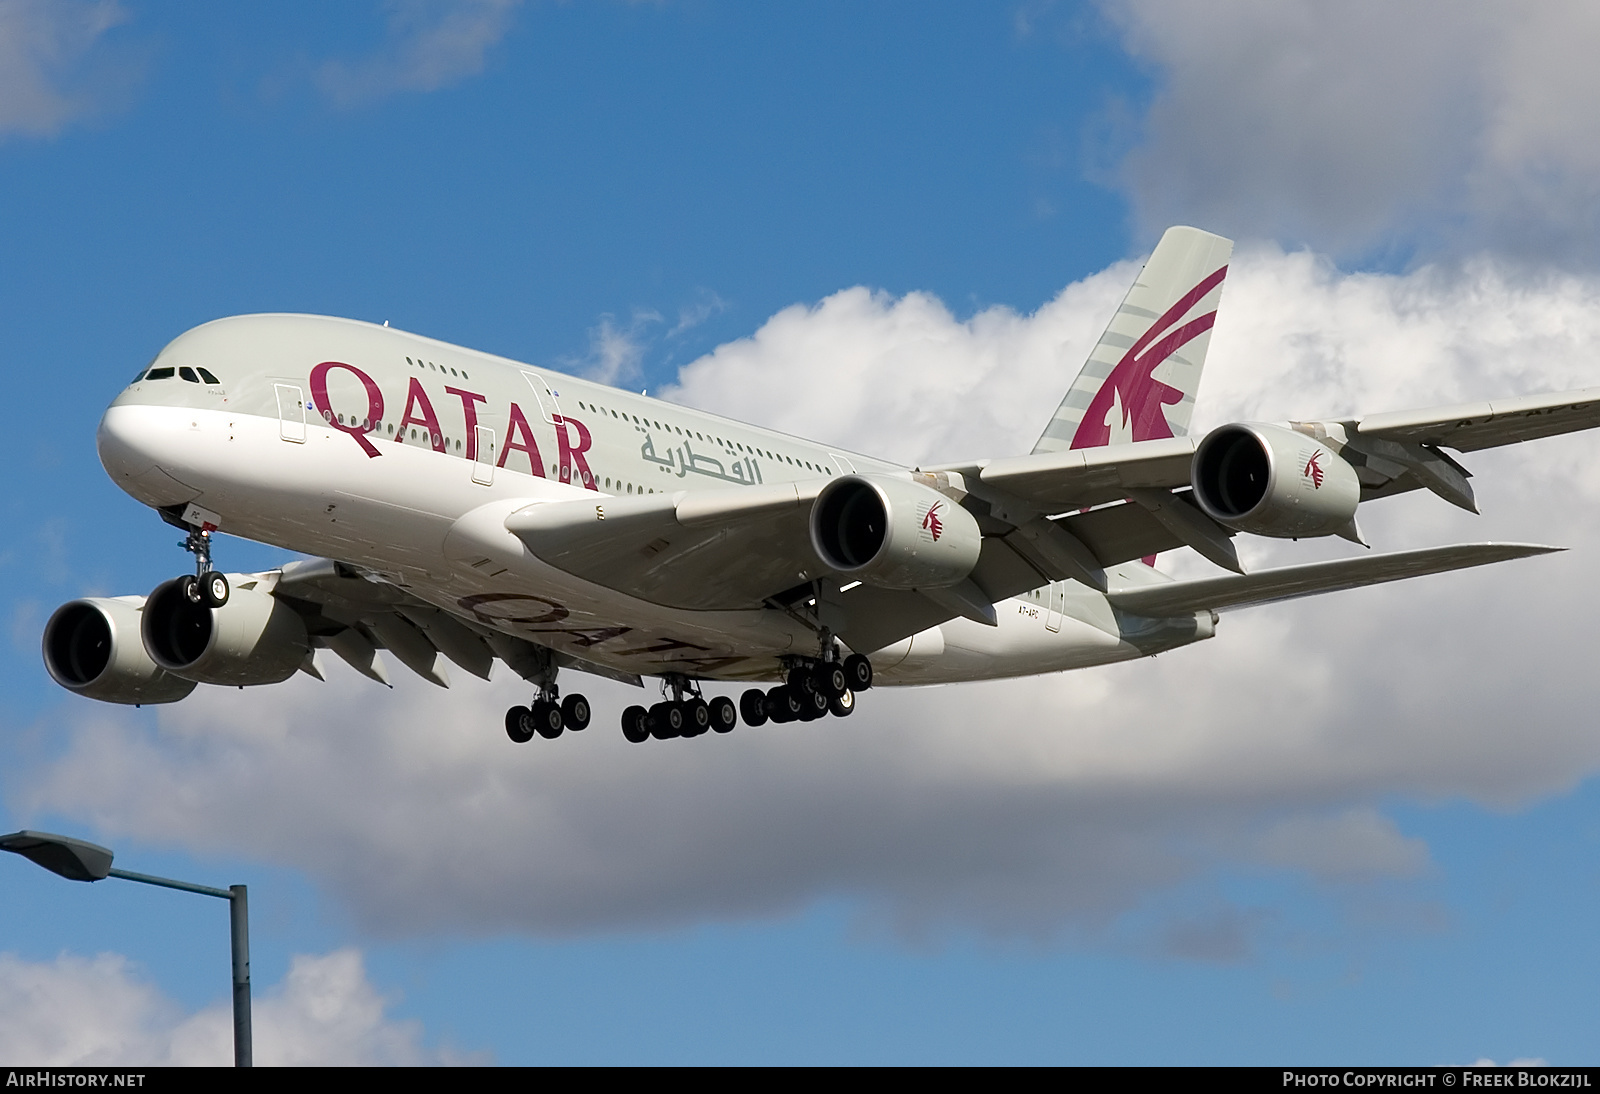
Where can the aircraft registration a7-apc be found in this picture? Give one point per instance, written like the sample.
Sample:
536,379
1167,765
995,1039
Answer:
465,507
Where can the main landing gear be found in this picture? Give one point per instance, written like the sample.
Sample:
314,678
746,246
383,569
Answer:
686,714
815,688
548,717
207,586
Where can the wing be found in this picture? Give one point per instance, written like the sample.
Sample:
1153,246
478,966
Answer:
355,614
1292,582
1471,426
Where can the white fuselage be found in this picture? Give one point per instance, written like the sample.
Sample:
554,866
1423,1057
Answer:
403,456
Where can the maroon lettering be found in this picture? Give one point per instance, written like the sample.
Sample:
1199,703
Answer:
357,428
519,438
573,466
469,411
507,604
415,398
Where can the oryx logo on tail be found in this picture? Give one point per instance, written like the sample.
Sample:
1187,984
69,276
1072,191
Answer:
1163,325
1132,383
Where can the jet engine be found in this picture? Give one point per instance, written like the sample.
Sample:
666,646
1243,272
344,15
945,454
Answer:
894,534
252,639
92,647
1272,481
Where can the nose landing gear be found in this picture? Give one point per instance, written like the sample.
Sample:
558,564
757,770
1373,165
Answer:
207,586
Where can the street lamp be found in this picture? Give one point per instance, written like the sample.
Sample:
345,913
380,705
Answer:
79,860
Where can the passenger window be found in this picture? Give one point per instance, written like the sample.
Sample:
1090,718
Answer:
205,374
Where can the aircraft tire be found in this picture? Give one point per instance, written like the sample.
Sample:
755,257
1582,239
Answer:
575,713
858,672
753,707
844,705
634,729
784,704
724,715
696,717
189,586
830,679
813,705
213,589
547,720
666,721
519,725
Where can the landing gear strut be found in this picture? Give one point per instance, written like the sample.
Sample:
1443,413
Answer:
686,714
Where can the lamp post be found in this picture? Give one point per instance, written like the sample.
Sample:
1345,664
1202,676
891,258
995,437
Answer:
79,860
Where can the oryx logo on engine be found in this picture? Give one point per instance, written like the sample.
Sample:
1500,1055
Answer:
1313,470
931,522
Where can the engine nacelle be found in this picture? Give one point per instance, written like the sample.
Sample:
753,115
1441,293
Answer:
894,534
1272,481
92,647
252,639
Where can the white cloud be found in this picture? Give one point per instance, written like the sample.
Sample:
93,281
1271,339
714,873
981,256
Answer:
44,46
430,44
1367,125
1034,806
99,1012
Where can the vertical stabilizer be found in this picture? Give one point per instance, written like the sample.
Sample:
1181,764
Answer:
1139,383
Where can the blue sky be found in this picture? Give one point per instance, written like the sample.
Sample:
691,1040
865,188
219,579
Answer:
1359,831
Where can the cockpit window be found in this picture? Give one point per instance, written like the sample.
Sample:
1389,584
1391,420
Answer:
160,373
205,374
188,374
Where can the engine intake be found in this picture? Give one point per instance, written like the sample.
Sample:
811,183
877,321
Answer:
894,534
92,648
252,639
1272,481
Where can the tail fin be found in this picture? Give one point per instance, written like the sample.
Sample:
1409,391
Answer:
1171,307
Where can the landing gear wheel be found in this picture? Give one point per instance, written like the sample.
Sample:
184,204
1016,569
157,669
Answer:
724,715
813,705
666,721
634,729
696,717
753,707
784,704
842,706
858,672
829,678
190,588
575,713
519,725
547,719
213,589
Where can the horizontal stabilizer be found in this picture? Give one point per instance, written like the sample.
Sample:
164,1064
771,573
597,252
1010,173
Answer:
1292,582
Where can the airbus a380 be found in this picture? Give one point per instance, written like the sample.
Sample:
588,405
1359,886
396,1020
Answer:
467,508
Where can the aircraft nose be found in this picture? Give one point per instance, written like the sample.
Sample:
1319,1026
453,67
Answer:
130,443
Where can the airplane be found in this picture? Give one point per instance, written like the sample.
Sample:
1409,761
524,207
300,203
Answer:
464,508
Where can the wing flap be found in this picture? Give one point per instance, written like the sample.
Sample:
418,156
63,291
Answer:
1291,582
